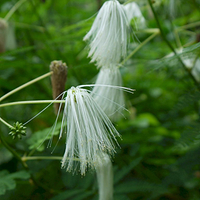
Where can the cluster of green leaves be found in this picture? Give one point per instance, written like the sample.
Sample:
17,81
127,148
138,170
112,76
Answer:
160,148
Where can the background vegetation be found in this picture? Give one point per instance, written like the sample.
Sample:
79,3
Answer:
159,156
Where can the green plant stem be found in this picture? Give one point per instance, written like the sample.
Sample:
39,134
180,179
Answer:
28,26
22,161
187,26
15,154
171,47
139,47
25,158
25,85
31,102
13,9
6,123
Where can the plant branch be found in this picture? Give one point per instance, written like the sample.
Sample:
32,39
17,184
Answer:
187,26
31,102
25,85
6,123
15,154
171,47
139,47
25,158
13,9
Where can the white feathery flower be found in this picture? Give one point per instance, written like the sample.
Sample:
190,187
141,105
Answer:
133,11
88,130
110,99
108,36
103,166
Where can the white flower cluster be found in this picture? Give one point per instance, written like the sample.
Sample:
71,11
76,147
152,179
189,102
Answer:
88,130
108,40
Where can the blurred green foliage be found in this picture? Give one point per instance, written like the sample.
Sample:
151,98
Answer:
159,156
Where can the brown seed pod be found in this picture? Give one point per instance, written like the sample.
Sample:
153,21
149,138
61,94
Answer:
58,80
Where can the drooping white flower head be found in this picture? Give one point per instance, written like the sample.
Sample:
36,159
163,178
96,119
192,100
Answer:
108,35
88,130
110,99
133,11
103,166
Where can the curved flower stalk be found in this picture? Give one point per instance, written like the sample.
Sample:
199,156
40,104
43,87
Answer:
133,11
108,36
103,166
110,99
88,130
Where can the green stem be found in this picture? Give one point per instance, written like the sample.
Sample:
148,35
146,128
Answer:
41,158
148,30
46,158
15,154
31,102
187,26
28,26
25,85
4,122
139,47
171,47
13,9
22,161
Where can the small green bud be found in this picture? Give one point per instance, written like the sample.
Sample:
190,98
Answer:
18,130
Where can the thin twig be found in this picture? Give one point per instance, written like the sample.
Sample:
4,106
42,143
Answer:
139,47
6,123
13,9
31,102
25,85
171,47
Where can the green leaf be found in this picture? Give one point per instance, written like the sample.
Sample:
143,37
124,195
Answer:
38,138
124,171
67,194
7,181
141,186
145,120
84,195
193,47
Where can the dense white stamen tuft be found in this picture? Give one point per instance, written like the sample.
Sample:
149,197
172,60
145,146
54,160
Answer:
108,35
88,130
110,99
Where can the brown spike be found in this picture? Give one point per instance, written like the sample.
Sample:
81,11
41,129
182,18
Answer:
58,80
